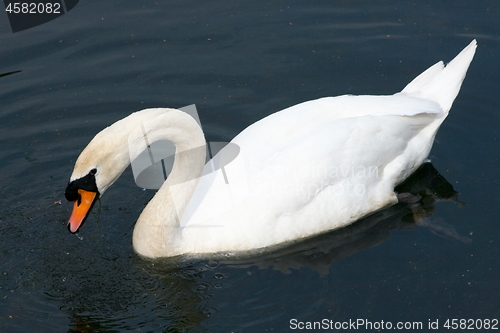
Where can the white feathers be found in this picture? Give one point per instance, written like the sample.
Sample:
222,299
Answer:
442,84
308,169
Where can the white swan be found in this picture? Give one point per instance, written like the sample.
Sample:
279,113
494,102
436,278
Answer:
311,168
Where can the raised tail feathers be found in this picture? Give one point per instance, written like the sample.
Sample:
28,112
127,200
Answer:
442,83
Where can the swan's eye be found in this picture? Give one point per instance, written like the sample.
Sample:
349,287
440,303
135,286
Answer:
93,172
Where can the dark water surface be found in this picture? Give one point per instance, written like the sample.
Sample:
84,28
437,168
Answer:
239,61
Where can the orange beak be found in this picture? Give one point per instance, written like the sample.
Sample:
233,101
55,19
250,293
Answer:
80,209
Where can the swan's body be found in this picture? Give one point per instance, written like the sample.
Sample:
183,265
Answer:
308,169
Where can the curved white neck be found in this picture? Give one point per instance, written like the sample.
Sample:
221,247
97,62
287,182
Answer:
158,226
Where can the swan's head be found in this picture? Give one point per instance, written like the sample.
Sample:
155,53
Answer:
83,192
110,152
96,169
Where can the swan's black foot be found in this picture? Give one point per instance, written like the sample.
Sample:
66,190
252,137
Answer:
422,217
408,198
414,202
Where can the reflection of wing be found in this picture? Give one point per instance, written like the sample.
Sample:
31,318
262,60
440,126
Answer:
442,229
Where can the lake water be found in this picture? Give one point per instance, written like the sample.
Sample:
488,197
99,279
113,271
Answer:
239,61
